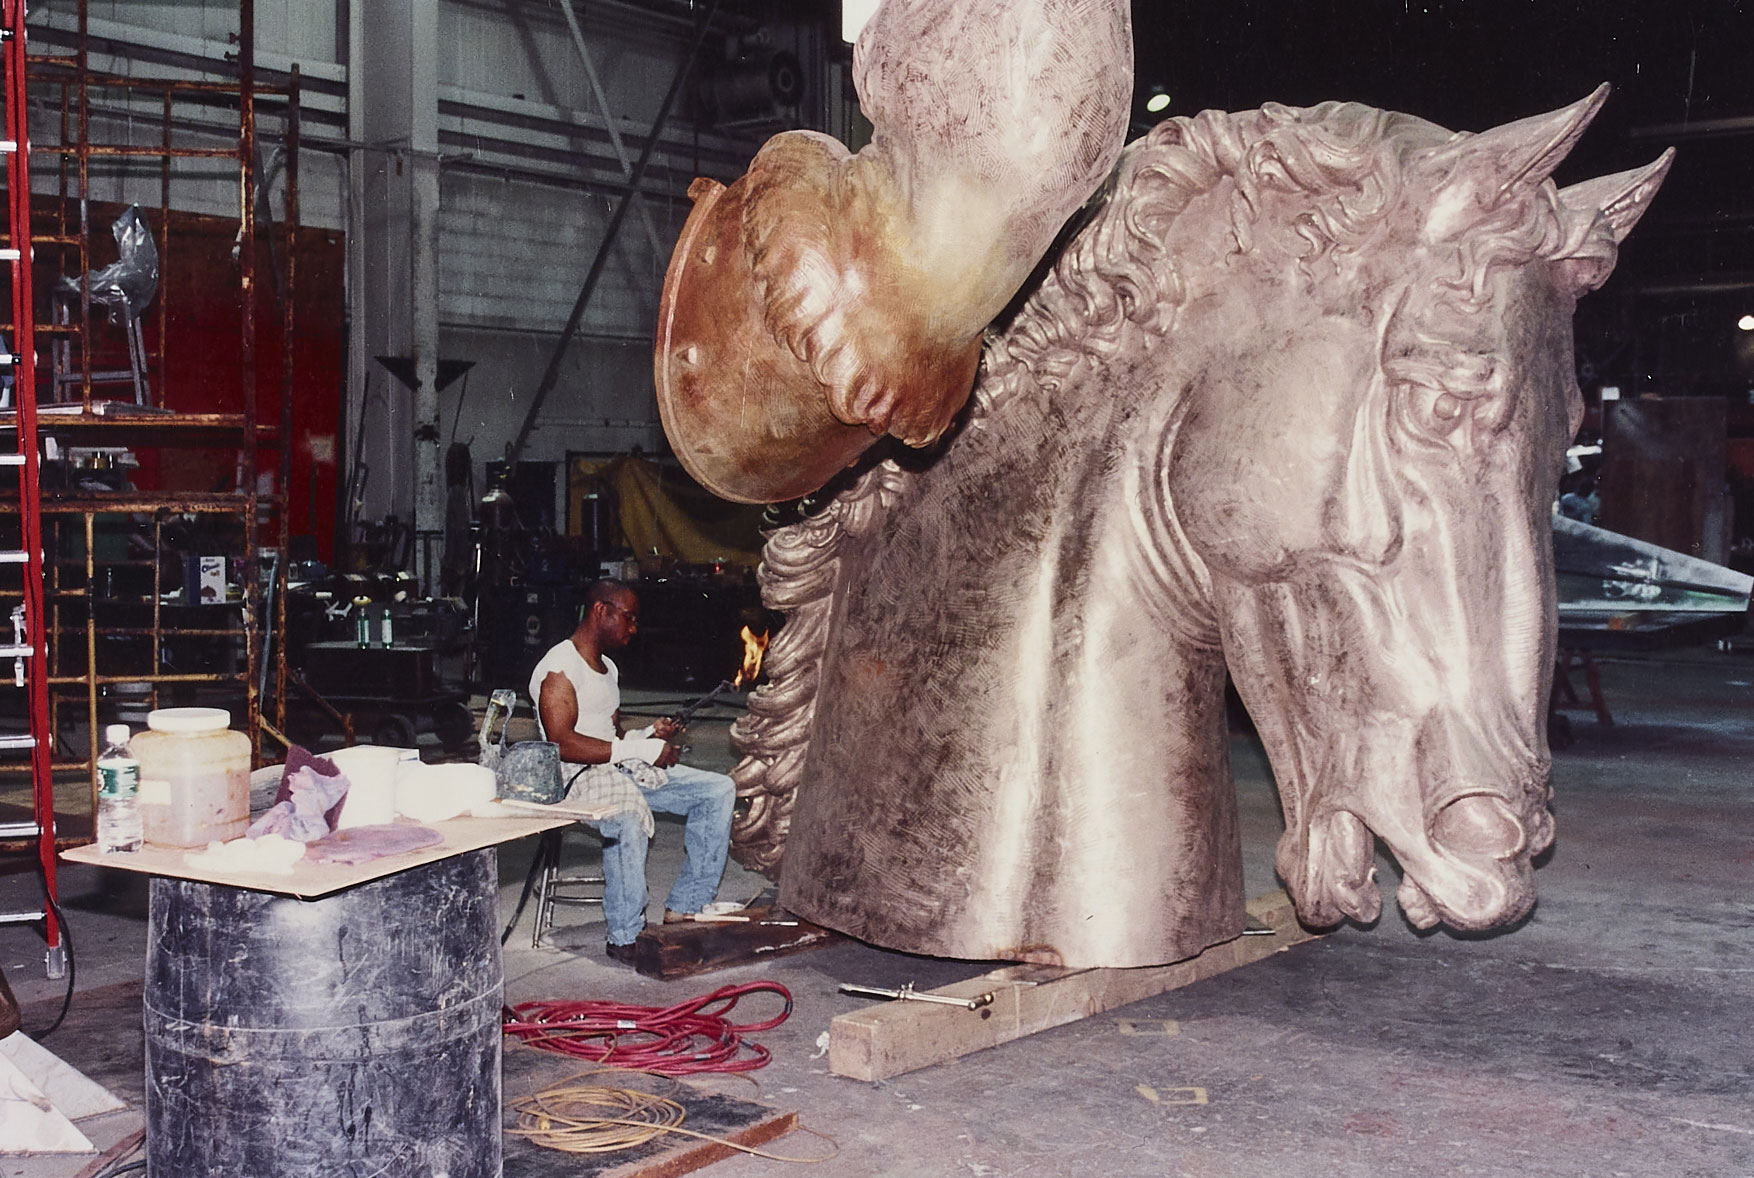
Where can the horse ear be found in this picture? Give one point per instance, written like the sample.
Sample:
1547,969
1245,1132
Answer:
1622,197
1483,169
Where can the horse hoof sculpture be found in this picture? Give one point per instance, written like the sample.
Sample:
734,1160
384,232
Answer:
1291,405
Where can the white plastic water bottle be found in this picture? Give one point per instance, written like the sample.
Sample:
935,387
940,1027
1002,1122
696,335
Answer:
118,793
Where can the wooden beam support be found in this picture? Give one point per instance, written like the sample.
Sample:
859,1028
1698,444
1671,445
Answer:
678,1156
668,951
883,1041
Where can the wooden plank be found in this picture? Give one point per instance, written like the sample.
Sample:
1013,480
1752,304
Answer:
883,1041
113,1154
682,950
309,881
687,1156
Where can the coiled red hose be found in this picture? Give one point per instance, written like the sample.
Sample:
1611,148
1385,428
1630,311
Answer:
692,1036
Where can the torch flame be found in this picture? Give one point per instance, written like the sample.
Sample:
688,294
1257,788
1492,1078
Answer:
754,647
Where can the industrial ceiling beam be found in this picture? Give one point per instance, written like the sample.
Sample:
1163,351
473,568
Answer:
1697,129
643,15
552,374
578,40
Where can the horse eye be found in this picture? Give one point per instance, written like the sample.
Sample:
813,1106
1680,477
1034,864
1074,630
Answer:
1435,413
1429,417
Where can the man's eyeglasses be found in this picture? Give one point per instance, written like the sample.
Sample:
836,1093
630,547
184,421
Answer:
631,615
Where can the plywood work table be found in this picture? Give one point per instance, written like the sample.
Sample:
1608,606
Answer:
310,881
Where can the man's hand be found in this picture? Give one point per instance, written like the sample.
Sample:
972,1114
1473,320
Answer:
668,757
666,729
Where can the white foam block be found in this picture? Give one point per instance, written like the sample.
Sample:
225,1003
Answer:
271,854
29,1123
71,1092
433,793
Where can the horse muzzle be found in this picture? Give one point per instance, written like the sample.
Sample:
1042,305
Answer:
1471,868
1466,834
1463,826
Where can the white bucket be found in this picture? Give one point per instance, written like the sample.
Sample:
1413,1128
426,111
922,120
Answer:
371,784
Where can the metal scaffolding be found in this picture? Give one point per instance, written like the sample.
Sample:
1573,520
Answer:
125,625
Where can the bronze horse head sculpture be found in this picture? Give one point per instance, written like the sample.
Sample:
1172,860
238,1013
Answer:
1292,405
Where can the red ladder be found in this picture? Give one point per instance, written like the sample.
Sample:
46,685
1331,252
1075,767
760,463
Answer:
27,651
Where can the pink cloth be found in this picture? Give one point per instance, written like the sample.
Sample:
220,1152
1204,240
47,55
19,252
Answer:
362,844
307,812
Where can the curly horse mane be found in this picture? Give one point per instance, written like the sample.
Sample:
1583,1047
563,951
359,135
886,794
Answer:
1115,283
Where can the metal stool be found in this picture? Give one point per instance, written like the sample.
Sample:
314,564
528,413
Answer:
552,886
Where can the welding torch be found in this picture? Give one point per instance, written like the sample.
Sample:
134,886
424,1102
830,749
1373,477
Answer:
680,719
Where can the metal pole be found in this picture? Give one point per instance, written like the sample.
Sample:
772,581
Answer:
164,252
578,38
423,284
246,156
84,156
552,373
288,355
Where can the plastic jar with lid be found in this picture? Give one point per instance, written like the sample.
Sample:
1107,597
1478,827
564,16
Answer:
194,777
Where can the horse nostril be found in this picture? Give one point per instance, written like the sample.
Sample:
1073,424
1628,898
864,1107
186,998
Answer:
1479,824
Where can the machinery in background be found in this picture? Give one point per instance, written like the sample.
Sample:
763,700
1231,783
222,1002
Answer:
530,585
691,618
1618,593
371,656
369,647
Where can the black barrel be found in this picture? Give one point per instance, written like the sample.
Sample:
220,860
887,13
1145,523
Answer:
356,1035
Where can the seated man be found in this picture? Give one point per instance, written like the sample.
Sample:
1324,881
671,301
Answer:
578,700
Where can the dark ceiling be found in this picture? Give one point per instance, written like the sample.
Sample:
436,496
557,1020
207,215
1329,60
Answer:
1682,73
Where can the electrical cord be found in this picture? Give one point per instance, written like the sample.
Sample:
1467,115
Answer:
523,899
687,1038
580,1118
67,940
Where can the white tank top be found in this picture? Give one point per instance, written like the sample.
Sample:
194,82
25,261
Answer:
599,694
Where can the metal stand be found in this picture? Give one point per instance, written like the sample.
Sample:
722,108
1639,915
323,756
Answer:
552,886
66,375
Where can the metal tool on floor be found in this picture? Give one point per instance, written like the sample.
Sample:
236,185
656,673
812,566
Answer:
908,994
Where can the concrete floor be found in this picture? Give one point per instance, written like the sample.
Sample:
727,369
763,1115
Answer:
1609,1035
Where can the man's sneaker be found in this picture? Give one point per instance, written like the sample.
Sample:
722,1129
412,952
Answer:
621,953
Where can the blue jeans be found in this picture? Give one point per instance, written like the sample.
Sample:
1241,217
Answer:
705,799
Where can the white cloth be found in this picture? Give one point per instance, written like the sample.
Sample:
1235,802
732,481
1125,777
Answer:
636,748
606,788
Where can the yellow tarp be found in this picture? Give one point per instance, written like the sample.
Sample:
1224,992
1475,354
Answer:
661,507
